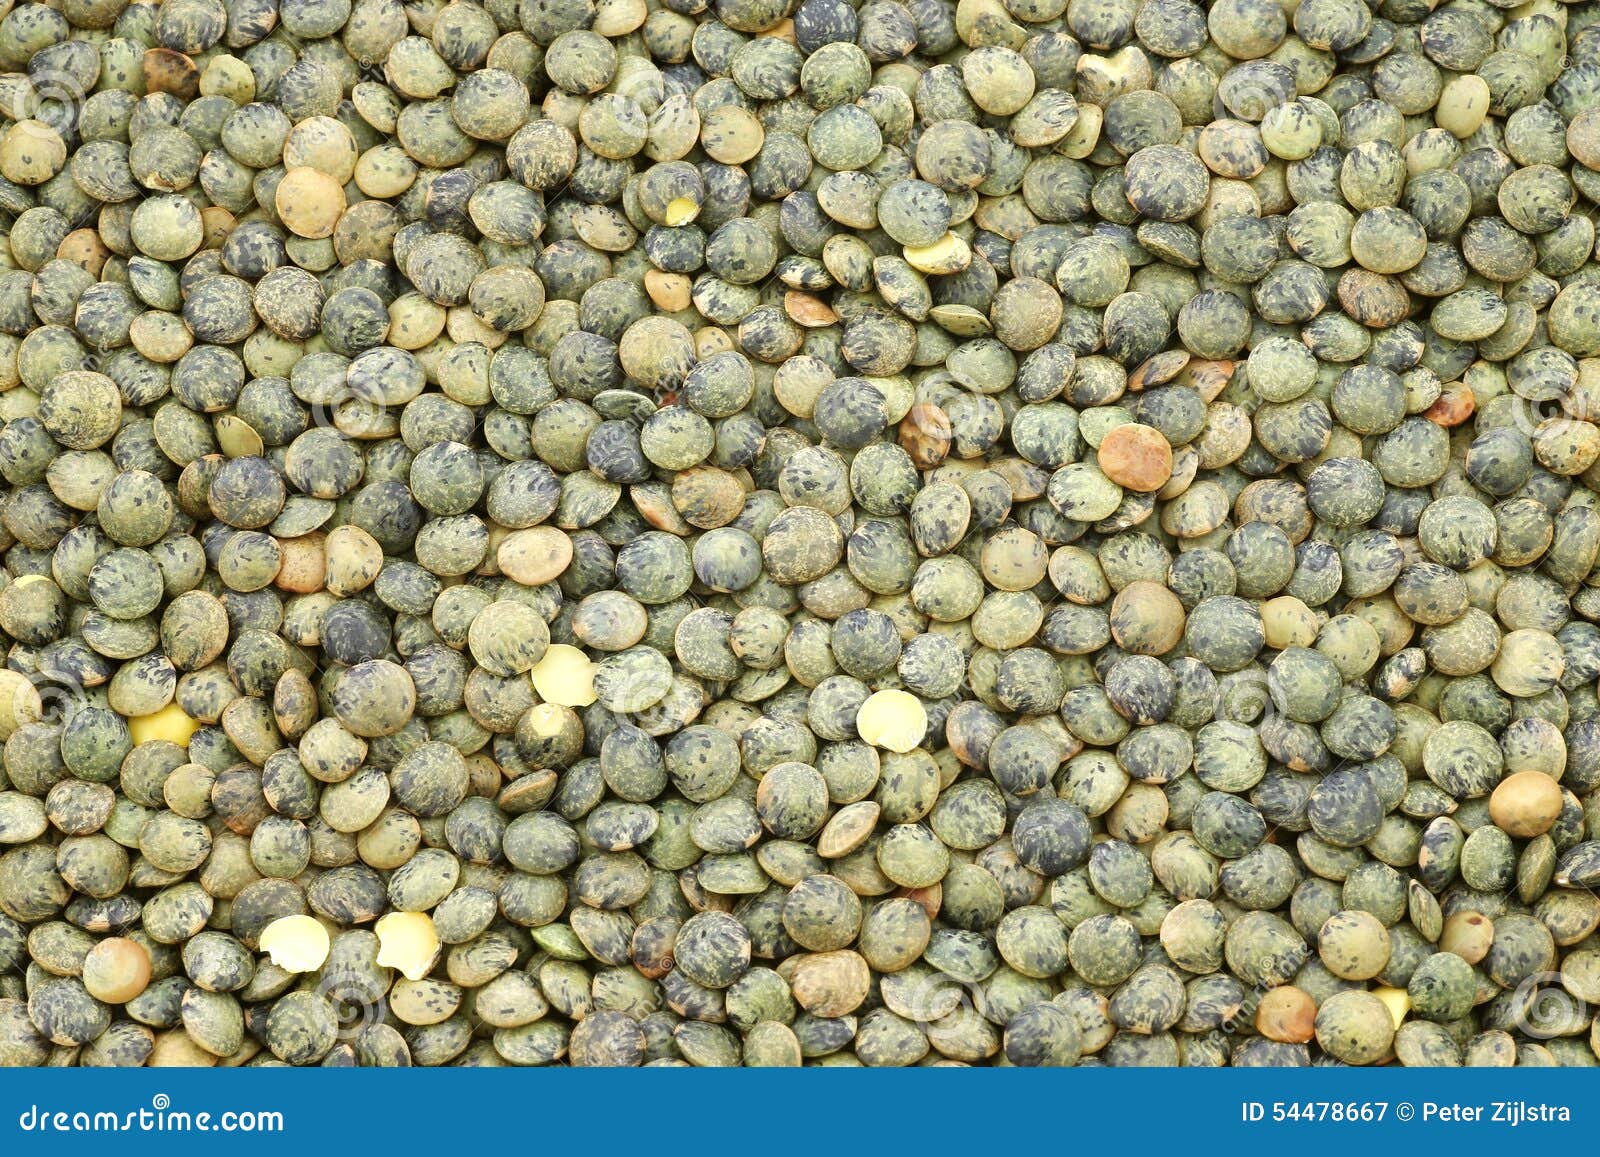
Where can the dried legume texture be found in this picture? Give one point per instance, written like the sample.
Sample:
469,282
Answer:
783,533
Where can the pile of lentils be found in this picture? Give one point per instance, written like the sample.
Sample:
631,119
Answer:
778,532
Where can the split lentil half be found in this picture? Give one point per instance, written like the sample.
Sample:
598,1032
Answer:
777,532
